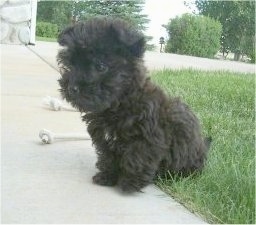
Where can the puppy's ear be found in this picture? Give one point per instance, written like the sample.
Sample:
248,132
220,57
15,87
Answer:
65,38
131,38
138,47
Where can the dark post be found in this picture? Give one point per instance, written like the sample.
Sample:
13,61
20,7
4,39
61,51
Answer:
161,42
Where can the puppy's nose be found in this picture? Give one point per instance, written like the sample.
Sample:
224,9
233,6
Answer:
73,90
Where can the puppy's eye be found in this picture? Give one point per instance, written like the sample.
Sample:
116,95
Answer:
101,66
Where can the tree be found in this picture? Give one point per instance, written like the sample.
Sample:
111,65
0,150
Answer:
55,12
127,10
238,22
63,13
193,35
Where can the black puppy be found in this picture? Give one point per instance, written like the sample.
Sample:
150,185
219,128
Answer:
138,131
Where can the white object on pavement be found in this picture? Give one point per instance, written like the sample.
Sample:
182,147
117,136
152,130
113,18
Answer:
49,137
56,105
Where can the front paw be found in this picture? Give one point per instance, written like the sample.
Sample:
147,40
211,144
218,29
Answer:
104,179
129,186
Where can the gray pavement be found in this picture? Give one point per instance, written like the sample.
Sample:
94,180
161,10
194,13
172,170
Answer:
52,183
155,60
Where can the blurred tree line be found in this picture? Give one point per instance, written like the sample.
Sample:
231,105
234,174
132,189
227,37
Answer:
65,13
238,24
237,19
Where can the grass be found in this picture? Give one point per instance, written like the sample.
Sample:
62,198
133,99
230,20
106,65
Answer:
46,39
224,102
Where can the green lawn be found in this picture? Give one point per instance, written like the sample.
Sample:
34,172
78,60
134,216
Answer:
46,39
224,102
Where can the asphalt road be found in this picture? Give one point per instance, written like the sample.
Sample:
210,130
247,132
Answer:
155,60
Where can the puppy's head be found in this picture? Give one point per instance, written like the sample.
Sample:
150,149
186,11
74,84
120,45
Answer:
99,62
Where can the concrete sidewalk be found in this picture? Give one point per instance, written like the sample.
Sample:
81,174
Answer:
52,183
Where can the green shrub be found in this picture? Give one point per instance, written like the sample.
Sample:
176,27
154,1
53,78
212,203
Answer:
193,35
45,29
247,47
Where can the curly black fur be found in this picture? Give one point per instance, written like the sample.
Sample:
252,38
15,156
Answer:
138,131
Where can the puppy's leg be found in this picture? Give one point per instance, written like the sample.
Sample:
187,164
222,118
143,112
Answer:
107,164
138,167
